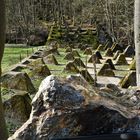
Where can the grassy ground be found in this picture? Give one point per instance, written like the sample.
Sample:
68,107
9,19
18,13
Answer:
14,55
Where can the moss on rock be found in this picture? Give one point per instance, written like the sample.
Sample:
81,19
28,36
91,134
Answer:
17,80
41,70
36,62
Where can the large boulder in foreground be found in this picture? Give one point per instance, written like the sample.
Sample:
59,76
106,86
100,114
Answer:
59,110
17,80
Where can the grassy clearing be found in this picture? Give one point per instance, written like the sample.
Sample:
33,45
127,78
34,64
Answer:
13,55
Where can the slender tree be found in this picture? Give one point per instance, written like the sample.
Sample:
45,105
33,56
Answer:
3,131
137,38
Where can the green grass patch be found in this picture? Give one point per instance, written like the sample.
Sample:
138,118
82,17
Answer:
13,55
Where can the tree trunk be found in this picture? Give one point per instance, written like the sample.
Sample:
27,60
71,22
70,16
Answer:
137,38
3,131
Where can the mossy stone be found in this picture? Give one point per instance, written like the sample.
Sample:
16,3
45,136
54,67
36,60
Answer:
18,81
17,109
36,62
41,70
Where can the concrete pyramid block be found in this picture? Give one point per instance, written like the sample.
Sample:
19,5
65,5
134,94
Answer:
100,48
133,65
129,51
50,59
109,61
88,51
105,70
109,52
79,62
71,67
94,58
87,76
116,54
98,55
121,60
69,56
75,53
128,80
68,49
